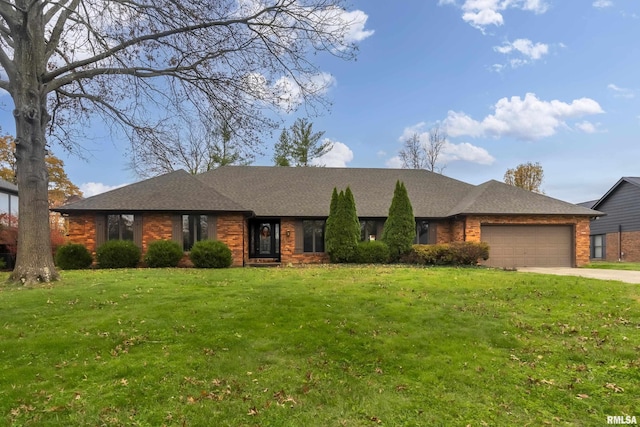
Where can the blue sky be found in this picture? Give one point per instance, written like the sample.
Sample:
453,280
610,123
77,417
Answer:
511,81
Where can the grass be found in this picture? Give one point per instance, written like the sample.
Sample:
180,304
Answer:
321,346
614,265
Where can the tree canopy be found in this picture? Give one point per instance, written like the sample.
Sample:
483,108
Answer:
300,146
138,63
526,175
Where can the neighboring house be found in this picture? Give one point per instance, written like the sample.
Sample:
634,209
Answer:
616,236
277,214
8,222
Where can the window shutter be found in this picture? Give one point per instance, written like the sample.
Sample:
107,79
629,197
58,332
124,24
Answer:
433,235
176,229
299,237
137,230
101,231
212,227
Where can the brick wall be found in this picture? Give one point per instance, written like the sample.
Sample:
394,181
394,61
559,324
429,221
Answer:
82,230
232,231
288,252
155,226
630,246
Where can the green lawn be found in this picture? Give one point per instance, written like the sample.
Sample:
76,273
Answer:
615,265
318,346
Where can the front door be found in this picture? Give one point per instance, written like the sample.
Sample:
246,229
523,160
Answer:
265,239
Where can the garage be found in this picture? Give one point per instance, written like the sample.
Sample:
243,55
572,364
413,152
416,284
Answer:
529,245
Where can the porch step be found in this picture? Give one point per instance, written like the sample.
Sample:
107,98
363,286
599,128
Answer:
263,262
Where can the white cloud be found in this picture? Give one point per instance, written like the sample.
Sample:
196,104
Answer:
586,127
482,13
602,3
527,119
394,163
620,92
337,157
287,93
92,188
450,151
525,47
466,152
355,22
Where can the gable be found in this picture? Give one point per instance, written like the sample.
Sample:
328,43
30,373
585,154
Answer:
622,208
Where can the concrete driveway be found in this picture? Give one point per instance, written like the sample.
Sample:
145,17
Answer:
592,273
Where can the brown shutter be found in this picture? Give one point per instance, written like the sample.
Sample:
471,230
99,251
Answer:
101,230
176,229
137,229
299,237
212,227
433,233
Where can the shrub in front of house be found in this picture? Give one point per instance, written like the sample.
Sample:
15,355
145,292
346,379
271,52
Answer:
73,256
400,227
469,253
372,252
342,230
163,254
210,254
118,254
461,253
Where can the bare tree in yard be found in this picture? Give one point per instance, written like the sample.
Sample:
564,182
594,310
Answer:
416,154
62,61
413,154
526,175
196,145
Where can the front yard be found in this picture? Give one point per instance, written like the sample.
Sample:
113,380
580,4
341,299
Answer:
319,346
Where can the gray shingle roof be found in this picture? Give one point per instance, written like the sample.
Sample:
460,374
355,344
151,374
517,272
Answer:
175,191
306,192
494,197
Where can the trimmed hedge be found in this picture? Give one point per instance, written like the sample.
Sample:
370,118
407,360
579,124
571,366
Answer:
163,254
459,253
73,256
118,254
210,254
372,252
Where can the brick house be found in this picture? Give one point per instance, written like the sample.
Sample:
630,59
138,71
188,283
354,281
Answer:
277,214
616,236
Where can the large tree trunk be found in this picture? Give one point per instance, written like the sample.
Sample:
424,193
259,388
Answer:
34,261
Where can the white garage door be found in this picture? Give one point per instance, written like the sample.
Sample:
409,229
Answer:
513,246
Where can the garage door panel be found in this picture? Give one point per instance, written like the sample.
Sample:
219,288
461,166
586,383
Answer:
514,246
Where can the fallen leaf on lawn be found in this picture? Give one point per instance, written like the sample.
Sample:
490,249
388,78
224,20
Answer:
253,411
583,396
615,388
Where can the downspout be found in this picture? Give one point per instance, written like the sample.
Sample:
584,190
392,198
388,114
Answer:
620,253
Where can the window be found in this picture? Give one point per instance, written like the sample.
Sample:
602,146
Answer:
313,235
194,229
422,232
597,246
120,227
368,230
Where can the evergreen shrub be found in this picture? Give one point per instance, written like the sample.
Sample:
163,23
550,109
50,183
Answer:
118,254
163,254
372,252
211,254
73,256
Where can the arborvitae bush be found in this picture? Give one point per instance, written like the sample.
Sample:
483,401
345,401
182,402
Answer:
372,252
342,231
400,227
210,254
163,254
73,256
118,254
